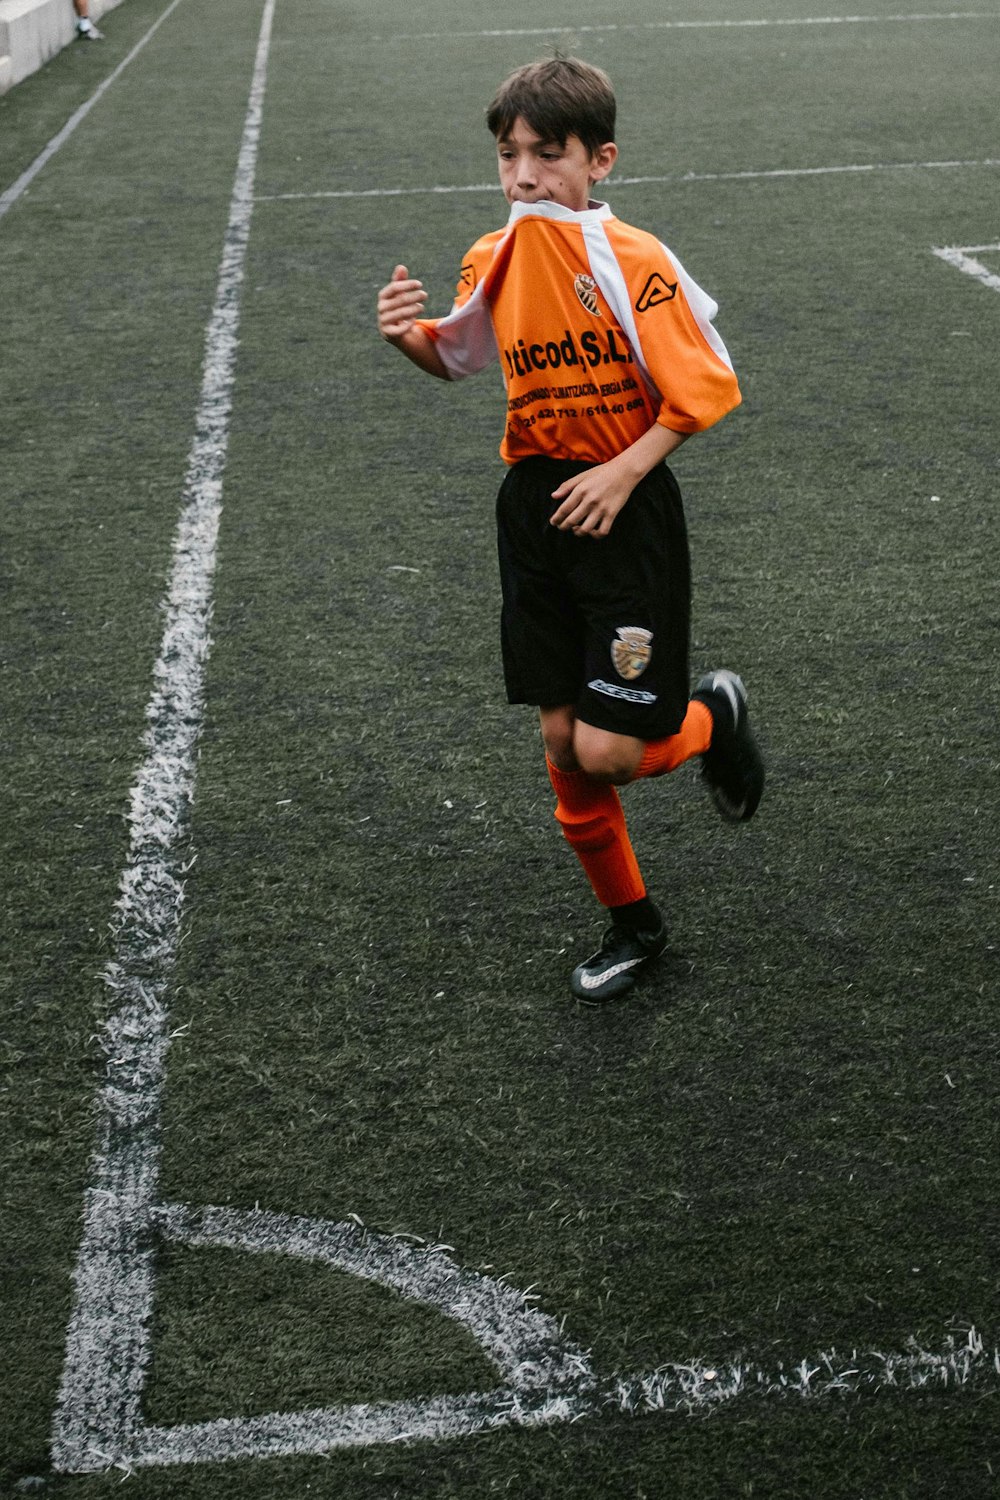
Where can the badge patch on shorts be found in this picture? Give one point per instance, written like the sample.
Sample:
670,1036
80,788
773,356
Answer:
586,289
632,651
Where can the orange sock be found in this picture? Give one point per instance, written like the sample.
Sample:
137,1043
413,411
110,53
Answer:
591,817
693,738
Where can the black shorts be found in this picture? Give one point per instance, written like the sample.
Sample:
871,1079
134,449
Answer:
602,625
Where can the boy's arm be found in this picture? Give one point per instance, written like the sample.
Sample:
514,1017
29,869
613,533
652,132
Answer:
400,304
592,500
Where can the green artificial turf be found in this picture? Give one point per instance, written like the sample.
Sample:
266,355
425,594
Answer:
785,1143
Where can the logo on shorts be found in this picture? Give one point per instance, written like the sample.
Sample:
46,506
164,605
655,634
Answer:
632,651
656,291
586,289
624,695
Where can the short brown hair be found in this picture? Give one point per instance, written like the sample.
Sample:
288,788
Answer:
557,97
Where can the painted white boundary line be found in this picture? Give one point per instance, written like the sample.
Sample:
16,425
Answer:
678,178
963,256
107,1342
688,1387
27,177
719,25
671,1389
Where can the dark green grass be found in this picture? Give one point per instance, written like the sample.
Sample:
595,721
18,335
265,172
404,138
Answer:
209,1352
690,100
786,1142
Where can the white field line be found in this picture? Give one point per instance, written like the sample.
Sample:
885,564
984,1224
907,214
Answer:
687,1387
9,197
544,1377
524,1344
679,179
305,1433
963,256
108,1340
748,23
672,1389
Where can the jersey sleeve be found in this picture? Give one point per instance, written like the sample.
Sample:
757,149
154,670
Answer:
668,320
464,338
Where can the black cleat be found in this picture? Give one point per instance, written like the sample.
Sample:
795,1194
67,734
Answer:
614,968
732,766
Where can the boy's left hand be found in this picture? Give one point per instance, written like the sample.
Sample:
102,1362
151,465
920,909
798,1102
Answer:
591,501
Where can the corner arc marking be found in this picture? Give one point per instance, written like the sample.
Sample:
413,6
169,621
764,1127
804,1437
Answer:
524,1343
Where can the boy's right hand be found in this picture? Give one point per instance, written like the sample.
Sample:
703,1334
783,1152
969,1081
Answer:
399,305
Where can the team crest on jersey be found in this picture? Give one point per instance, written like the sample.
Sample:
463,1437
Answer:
656,291
632,651
586,289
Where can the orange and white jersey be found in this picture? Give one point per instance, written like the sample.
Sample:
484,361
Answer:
598,329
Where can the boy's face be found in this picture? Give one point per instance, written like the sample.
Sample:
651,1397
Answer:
532,169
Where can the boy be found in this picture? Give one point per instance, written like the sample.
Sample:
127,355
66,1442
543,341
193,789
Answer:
610,362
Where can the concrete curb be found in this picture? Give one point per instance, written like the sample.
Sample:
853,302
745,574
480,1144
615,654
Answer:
32,31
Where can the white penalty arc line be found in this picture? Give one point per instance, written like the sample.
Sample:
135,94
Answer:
724,24
107,1341
10,196
678,179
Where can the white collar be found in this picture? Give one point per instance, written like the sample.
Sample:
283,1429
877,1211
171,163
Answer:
592,214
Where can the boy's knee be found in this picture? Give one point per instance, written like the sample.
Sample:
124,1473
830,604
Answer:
603,766
607,757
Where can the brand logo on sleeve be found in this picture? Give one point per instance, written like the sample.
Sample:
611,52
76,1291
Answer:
467,275
586,289
656,291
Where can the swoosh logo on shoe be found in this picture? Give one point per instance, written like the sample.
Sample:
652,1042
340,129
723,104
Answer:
722,682
593,981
